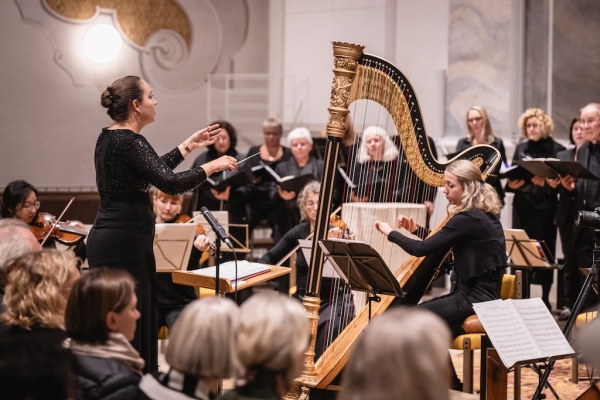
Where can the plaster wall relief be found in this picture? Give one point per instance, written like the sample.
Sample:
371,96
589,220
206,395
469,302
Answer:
478,64
173,44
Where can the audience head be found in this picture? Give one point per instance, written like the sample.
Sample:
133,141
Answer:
308,201
272,130
165,206
535,124
33,369
16,240
376,145
201,343
478,124
19,200
101,302
465,189
226,140
38,288
272,337
301,143
402,354
589,120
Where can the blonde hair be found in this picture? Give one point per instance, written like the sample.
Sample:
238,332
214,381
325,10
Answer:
35,291
273,335
201,342
488,133
272,123
312,187
157,193
476,193
546,124
390,151
401,355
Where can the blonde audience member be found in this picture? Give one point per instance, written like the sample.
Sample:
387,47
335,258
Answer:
401,355
101,319
201,352
271,339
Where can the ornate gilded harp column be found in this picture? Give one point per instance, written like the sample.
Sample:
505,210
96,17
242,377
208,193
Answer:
345,62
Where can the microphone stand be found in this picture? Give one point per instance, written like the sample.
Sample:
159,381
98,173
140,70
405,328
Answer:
217,262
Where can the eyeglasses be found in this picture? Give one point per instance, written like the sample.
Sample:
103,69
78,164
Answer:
35,204
474,120
311,204
587,122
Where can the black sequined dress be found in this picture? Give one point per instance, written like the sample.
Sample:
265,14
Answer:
126,167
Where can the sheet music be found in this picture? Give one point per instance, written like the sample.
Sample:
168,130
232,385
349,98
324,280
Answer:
172,246
522,330
227,270
507,331
543,328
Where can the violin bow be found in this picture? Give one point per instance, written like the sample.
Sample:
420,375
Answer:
57,221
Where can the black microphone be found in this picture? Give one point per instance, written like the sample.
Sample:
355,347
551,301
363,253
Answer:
221,234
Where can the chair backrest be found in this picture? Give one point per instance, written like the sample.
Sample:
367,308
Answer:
511,286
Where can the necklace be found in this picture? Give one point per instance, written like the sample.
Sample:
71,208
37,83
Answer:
272,157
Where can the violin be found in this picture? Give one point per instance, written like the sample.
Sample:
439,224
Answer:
67,233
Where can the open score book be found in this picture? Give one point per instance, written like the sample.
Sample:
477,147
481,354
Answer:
522,330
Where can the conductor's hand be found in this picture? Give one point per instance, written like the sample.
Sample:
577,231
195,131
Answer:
515,184
201,243
539,181
203,137
220,164
568,182
224,195
383,227
285,195
553,183
406,222
335,233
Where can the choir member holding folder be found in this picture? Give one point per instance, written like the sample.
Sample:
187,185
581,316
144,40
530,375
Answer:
302,163
535,200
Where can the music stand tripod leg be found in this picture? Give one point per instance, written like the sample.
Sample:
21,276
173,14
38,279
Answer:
585,290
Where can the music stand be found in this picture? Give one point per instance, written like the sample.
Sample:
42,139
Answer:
362,268
172,246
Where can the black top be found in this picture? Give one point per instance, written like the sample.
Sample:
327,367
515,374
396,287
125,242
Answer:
125,163
100,378
263,191
476,238
262,387
530,196
465,143
291,167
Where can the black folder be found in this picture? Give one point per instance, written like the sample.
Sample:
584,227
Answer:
552,168
235,181
515,173
290,183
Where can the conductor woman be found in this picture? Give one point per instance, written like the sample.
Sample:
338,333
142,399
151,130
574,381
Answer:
126,167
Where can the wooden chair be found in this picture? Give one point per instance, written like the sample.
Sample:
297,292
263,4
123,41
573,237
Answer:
512,288
581,321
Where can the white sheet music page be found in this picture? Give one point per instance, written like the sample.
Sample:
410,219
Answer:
507,331
227,270
543,327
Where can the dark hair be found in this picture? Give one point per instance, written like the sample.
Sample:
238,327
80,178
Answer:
232,135
93,296
119,95
575,120
14,195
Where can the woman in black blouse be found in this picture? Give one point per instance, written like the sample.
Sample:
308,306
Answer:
535,201
480,132
126,167
475,235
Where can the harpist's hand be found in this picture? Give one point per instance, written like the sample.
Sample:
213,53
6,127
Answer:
201,138
383,227
220,164
406,222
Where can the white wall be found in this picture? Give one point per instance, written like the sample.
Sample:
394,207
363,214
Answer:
414,38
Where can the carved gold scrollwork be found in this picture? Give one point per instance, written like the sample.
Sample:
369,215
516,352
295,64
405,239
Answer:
297,392
340,91
311,308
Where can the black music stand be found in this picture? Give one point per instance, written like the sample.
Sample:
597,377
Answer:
362,268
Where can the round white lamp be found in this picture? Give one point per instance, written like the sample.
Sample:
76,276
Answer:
102,43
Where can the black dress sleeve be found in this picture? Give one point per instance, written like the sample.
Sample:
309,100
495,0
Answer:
145,160
454,229
173,158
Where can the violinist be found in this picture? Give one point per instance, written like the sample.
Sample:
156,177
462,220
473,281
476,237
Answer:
335,295
172,298
19,201
126,167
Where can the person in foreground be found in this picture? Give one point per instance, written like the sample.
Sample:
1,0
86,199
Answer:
399,356
475,235
126,167
100,319
271,339
201,352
